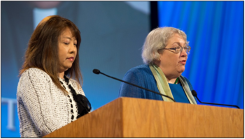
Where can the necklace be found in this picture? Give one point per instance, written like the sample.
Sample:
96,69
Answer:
176,81
83,103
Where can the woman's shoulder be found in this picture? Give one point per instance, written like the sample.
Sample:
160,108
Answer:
73,81
33,78
77,85
141,70
34,70
35,73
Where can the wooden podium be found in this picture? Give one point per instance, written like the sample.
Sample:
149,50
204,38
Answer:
131,117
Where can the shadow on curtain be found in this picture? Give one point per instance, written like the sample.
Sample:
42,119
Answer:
215,30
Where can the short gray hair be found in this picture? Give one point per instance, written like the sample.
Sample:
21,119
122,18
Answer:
156,40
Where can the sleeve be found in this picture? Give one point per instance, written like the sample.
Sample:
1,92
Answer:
35,92
127,90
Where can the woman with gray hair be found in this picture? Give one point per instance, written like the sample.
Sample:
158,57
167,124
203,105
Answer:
164,53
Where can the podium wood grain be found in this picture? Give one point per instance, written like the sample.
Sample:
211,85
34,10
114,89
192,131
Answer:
132,117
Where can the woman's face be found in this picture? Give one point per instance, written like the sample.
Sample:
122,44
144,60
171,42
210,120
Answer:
67,50
173,64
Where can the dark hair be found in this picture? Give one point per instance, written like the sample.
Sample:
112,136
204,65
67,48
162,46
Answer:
42,51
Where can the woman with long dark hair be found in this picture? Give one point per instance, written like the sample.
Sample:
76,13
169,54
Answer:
49,94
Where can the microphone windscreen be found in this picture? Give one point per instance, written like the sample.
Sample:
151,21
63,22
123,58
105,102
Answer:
194,93
96,71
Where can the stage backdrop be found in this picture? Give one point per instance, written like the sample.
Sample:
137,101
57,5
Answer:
215,30
112,36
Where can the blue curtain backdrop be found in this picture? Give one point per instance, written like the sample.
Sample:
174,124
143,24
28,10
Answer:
215,31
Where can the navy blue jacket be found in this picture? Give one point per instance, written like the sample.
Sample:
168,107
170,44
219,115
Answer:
142,76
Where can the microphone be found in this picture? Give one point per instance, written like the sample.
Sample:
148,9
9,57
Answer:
96,71
194,93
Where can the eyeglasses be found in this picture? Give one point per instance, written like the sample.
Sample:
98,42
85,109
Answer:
179,49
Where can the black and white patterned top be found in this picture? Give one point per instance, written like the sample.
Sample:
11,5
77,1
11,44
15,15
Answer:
42,106
73,104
